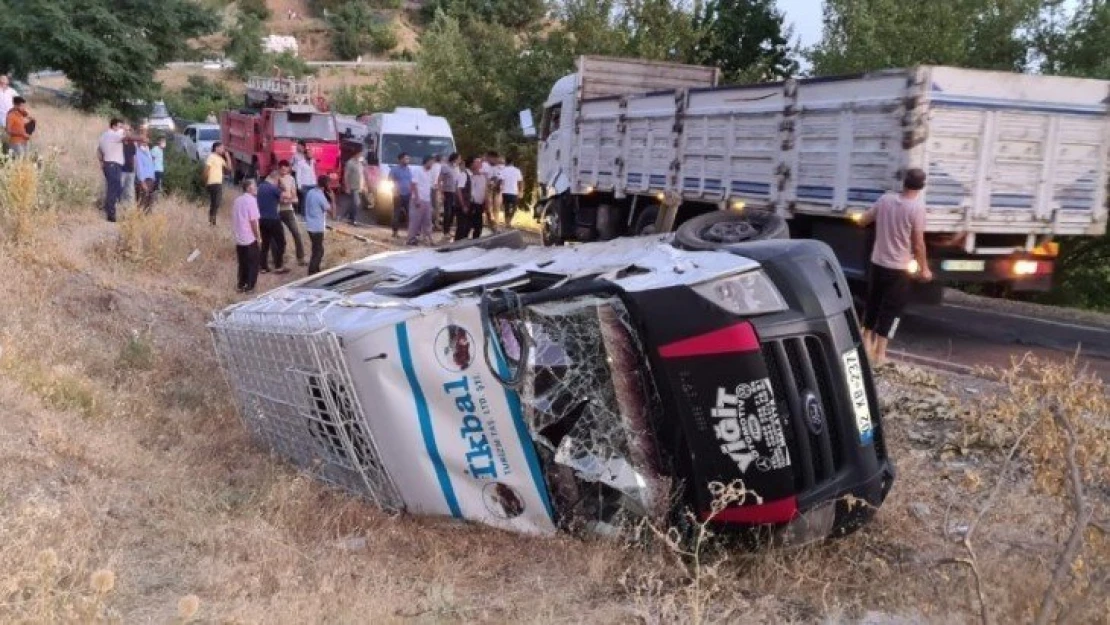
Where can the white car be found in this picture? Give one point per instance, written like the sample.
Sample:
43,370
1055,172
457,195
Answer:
197,139
542,388
160,118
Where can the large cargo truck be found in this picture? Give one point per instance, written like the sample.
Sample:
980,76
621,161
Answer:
1014,161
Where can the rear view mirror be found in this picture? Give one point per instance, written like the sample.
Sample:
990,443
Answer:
527,126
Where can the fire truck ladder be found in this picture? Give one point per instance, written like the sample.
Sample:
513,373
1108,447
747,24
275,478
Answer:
278,92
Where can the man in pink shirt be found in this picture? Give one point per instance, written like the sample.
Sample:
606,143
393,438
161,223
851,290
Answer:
244,225
898,256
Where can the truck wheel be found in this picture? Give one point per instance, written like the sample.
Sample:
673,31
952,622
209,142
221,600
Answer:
720,228
551,226
608,217
645,223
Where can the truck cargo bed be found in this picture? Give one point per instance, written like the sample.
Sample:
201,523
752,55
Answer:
1006,154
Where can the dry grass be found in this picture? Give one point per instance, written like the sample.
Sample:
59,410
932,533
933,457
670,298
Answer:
129,491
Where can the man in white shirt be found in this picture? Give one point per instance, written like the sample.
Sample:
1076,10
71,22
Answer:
420,216
511,179
109,151
7,95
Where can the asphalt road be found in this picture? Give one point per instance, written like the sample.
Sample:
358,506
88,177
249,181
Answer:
970,337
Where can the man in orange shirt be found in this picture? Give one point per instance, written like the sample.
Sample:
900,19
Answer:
16,125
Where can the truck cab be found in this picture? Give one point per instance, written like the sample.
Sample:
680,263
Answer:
555,137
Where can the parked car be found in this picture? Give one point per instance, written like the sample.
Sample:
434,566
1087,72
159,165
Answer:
160,118
535,388
197,139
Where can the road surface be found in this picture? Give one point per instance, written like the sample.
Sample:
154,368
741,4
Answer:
972,336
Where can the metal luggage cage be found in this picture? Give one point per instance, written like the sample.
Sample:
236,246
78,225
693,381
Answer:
296,397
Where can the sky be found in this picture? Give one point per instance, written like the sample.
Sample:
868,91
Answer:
805,15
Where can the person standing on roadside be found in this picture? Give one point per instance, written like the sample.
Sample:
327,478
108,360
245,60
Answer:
128,180
304,170
401,176
423,190
214,167
144,174
372,176
288,186
109,151
511,179
353,184
270,226
437,200
898,255
158,153
244,225
474,202
317,208
449,187
18,127
7,96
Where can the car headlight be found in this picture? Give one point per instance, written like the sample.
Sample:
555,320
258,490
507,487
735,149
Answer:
385,186
750,293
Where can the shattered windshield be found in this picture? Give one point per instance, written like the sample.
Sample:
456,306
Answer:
589,404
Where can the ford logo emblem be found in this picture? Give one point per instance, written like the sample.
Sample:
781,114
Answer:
815,413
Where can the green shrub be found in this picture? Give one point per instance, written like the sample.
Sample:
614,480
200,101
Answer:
198,98
182,175
358,29
255,8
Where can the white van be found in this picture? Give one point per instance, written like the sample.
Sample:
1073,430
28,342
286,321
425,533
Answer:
410,131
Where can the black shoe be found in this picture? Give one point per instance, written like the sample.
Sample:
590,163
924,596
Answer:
263,271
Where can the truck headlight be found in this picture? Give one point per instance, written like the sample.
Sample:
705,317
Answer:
750,293
385,186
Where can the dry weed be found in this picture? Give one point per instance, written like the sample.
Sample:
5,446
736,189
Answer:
143,236
19,198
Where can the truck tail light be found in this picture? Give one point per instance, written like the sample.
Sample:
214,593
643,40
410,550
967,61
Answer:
1023,268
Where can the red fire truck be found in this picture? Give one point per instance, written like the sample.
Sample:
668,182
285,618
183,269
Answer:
278,114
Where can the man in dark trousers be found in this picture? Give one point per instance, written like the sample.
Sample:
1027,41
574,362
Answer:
270,226
127,182
109,151
898,257
244,226
473,202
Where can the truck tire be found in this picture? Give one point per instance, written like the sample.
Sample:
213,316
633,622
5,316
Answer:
645,223
551,227
608,221
720,228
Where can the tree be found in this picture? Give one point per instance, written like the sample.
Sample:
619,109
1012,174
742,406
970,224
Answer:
1078,46
509,13
255,8
746,39
244,45
357,29
865,35
109,49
